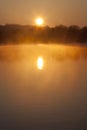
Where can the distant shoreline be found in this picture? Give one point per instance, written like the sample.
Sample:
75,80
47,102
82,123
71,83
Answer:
41,44
20,34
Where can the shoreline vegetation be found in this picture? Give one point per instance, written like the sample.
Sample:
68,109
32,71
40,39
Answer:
20,34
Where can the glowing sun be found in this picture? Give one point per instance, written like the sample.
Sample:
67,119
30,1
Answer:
39,21
40,63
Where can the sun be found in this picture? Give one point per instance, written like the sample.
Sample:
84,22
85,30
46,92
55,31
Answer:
39,21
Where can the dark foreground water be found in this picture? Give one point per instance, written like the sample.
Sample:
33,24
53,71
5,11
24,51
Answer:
43,87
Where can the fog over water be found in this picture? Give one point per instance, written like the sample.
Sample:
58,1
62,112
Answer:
51,98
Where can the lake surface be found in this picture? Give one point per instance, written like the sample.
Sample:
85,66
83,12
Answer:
43,87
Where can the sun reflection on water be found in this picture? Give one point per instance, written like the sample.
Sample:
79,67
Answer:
40,63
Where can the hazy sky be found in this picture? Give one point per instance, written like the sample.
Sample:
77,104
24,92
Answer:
54,12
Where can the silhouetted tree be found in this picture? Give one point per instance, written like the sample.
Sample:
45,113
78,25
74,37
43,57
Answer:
18,34
83,35
73,34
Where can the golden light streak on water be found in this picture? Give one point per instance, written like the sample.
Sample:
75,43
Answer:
40,63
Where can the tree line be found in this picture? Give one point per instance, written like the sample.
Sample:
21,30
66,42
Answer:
18,34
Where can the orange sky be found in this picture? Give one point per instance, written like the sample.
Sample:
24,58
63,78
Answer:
54,12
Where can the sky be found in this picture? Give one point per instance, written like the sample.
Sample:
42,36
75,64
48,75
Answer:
54,12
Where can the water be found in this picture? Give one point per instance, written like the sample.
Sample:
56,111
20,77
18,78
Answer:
46,95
